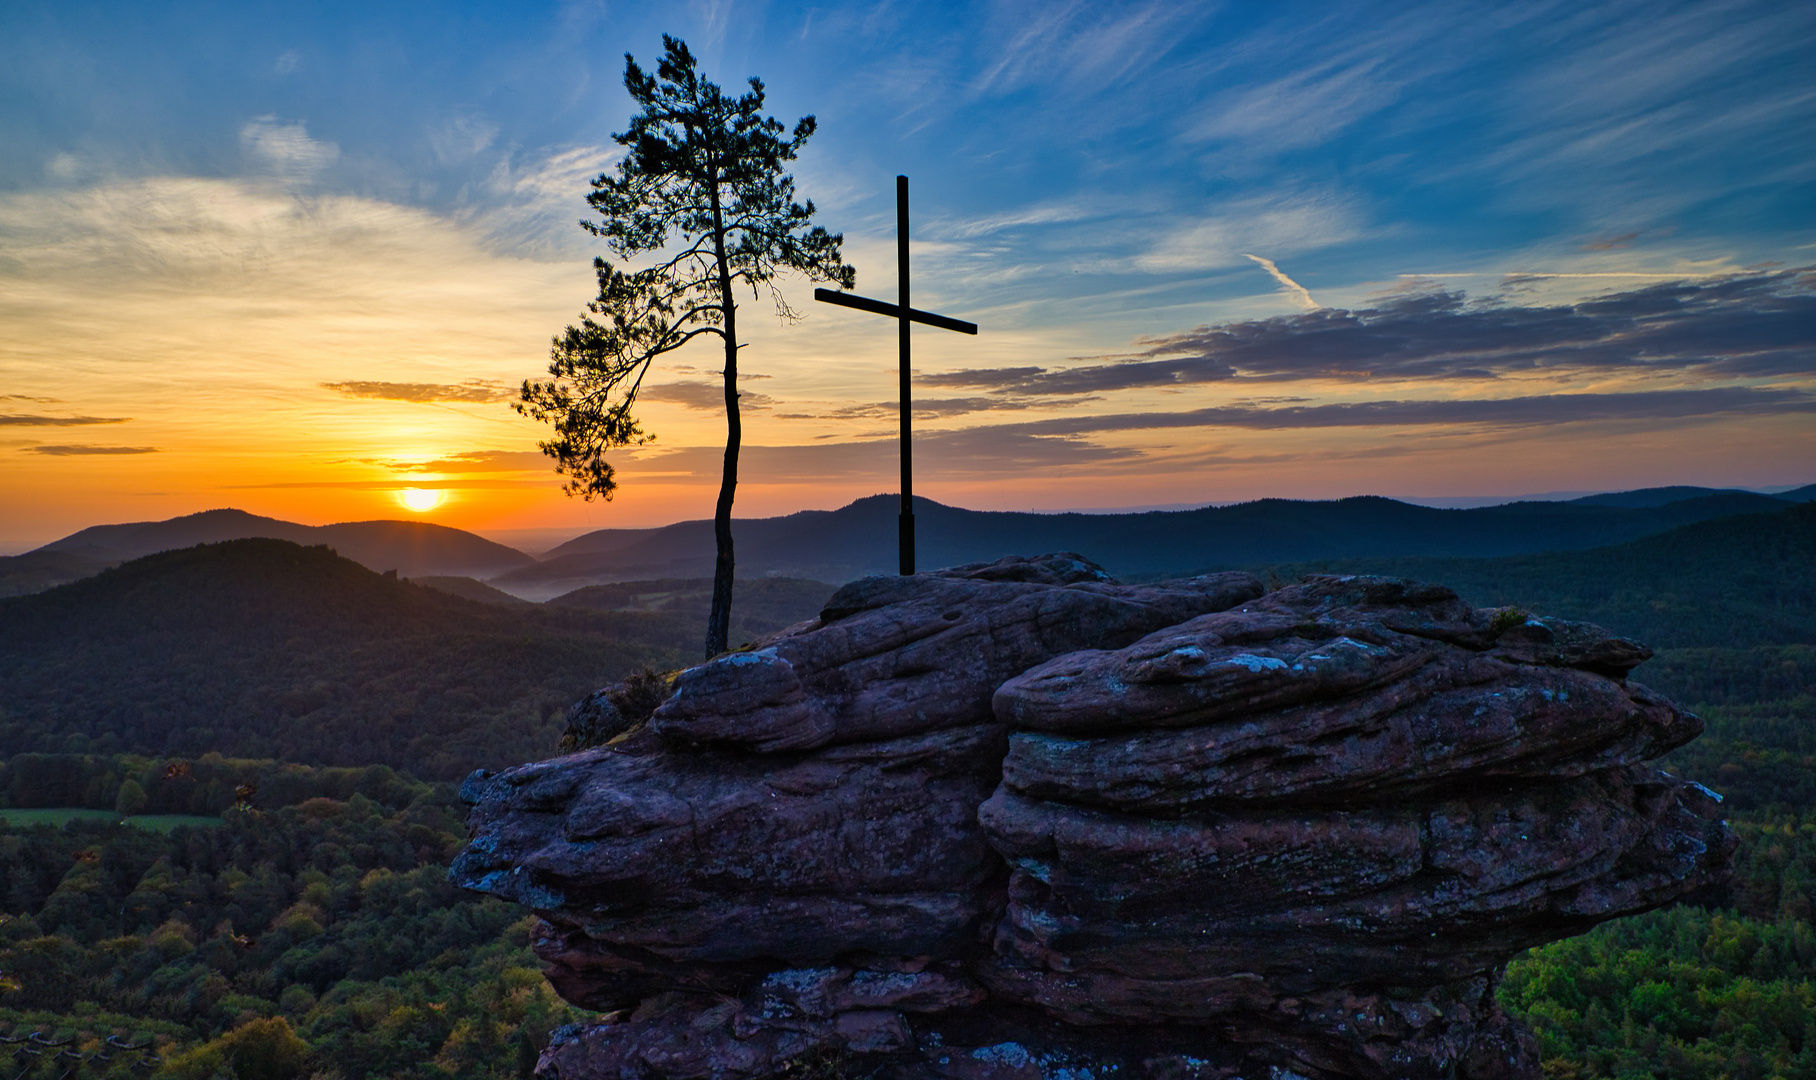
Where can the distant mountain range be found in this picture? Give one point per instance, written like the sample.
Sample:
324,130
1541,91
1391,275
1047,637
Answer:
1732,582
1661,496
409,548
262,648
859,539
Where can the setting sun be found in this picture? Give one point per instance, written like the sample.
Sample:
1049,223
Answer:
421,500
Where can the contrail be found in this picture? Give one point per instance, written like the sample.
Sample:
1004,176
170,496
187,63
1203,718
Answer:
1291,286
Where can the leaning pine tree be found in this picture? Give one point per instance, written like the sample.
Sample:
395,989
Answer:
702,186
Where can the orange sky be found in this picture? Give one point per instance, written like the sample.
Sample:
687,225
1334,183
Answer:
255,350
1349,267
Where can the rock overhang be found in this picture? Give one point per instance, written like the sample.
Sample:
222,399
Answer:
1191,807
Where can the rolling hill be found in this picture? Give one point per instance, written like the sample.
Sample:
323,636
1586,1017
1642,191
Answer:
758,604
1731,582
263,648
411,548
859,539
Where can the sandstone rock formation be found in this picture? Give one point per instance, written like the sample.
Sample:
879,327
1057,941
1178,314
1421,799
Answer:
1015,820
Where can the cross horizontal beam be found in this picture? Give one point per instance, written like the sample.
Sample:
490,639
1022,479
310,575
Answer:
879,307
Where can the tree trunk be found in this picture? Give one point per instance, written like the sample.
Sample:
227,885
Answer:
718,623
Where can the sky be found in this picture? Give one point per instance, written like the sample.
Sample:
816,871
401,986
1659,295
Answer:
297,258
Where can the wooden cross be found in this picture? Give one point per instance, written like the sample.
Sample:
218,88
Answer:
903,314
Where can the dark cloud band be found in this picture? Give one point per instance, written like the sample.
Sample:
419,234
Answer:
1539,410
1062,443
1740,326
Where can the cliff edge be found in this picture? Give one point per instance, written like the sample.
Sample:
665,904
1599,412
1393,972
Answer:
1016,820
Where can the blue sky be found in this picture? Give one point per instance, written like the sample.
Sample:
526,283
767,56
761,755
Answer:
1094,184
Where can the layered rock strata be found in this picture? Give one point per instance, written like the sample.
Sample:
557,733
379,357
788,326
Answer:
1010,821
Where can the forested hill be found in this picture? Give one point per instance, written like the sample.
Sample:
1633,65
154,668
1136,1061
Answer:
837,545
239,586
1732,582
263,648
412,548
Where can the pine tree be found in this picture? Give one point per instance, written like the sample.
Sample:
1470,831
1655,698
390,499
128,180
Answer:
701,184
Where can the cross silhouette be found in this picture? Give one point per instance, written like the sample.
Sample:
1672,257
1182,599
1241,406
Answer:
904,315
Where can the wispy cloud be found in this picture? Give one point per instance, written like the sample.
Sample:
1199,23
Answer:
256,289
1547,410
1092,45
461,138
472,461
285,151
1292,288
81,450
1044,214
464,484
534,200
970,452
27,420
1289,222
472,390
1062,445
1609,93
936,408
701,395
1612,243
1303,108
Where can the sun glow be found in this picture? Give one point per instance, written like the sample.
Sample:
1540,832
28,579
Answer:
421,500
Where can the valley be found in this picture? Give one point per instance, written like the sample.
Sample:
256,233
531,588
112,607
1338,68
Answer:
282,729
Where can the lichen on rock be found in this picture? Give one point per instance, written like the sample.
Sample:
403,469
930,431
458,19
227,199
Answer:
1015,820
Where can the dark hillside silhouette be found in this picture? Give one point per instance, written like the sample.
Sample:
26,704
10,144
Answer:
1661,496
262,648
470,589
597,541
1730,582
38,570
858,539
135,538
763,604
412,548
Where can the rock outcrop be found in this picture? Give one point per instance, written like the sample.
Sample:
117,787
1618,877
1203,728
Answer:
1010,820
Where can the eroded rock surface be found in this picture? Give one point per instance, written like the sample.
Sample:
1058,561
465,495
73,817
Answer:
893,656
1016,820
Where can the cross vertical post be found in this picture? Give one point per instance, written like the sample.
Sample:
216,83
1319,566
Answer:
905,525
903,314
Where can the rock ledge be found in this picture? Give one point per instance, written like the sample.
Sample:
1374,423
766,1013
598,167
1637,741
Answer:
1015,820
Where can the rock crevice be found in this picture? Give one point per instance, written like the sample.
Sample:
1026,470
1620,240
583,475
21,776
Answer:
1013,820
